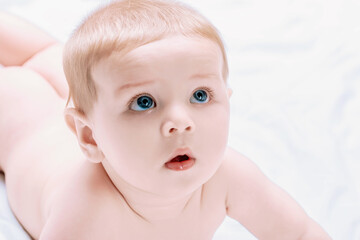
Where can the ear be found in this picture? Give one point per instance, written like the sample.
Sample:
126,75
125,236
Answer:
230,91
79,124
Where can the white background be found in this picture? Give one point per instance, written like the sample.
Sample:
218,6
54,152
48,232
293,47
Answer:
295,73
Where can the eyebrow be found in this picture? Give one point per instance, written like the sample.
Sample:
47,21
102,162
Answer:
204,75
131,85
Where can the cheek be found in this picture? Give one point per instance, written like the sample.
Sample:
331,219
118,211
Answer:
213,132
220,130
128,139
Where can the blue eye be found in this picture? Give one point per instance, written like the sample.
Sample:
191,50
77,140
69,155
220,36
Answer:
142,103
200,96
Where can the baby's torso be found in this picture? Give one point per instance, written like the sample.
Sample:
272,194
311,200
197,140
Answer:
103,213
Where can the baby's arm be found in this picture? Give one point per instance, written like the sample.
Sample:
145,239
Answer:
23,44
263,208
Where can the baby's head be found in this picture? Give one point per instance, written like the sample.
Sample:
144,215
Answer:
121,27
148,82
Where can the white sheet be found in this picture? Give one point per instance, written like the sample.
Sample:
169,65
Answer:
295,72
9,227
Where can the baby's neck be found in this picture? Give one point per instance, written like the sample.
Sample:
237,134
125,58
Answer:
156,210
148,206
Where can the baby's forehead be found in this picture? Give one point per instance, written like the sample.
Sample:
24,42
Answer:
169,49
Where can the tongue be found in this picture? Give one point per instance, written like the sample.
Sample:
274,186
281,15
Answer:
180,158
180,165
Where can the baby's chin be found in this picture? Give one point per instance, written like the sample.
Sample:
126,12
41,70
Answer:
165,182
181,183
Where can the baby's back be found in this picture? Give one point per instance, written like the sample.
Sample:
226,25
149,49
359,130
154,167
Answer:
36,167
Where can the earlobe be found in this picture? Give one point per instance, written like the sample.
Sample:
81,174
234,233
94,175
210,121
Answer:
79,125
93,153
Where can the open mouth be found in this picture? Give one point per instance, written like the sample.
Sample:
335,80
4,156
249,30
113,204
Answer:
180,158
180,163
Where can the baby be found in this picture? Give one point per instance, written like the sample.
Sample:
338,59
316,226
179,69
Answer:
150,111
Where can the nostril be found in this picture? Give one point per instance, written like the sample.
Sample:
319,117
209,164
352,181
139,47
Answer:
172,130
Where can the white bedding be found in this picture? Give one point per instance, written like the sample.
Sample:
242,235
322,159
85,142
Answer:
9,227
295,72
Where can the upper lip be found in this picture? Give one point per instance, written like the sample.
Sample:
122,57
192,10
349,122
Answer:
181,151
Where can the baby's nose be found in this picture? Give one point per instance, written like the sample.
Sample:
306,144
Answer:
170,128
177,123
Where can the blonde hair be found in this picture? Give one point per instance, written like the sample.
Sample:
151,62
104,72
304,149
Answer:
123,26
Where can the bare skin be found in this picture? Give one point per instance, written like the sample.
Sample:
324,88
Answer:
60,191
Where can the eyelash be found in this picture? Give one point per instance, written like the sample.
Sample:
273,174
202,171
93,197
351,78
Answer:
135,97
208,90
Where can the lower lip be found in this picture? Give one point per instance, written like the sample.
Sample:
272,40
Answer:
180,166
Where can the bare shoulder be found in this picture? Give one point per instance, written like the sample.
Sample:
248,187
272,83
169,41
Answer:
237,168
246,185
263,207
84,208
235,161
